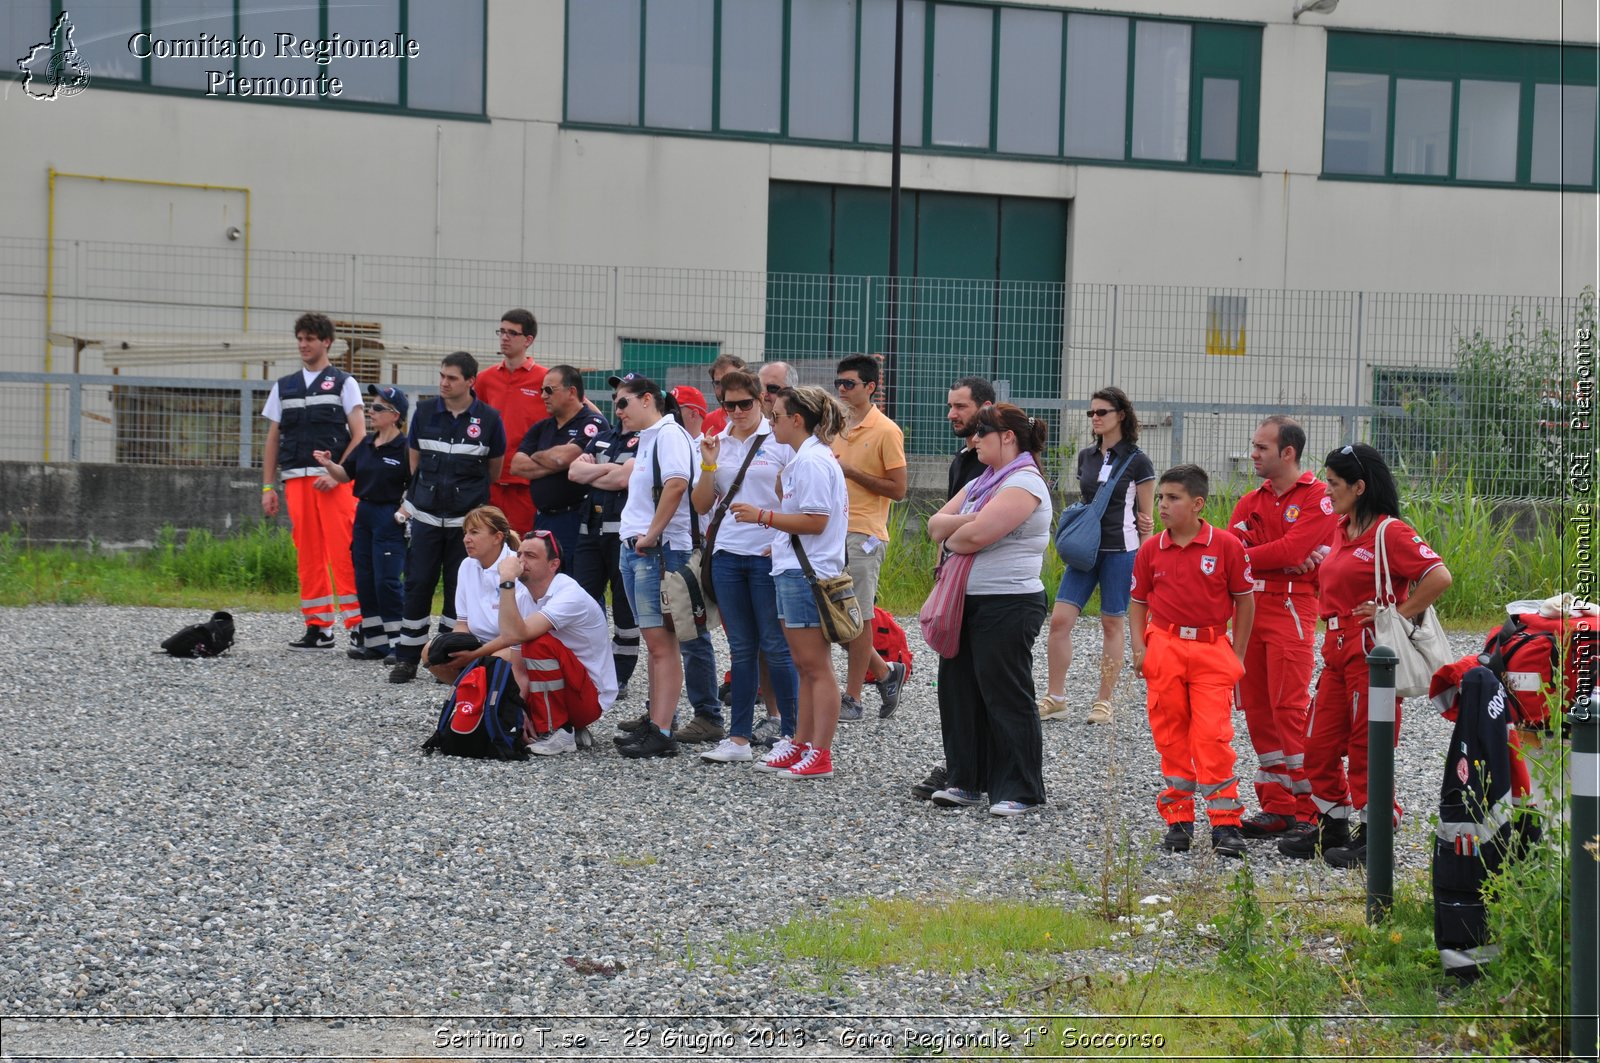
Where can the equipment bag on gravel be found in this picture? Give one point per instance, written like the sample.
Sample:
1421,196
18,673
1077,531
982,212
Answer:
483,715
213,637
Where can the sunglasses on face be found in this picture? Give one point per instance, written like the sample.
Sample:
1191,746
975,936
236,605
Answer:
547,390
980,429
1106,412
773,389
621,404
738,404
845,385
504,332
378,407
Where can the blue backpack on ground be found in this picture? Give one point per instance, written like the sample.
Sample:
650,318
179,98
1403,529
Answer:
483,715
1078,531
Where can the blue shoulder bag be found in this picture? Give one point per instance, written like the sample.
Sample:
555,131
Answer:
1078,531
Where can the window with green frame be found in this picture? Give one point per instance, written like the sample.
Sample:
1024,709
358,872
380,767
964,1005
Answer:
129,44
1025,82
1460,111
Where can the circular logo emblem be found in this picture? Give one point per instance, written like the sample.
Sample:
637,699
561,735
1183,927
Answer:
1291,514
1462,772
473,431
590,430
1327,505
327,385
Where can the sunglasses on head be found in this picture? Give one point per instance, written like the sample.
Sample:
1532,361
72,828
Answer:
845,385
552,548
737,404
1102,412
1350,451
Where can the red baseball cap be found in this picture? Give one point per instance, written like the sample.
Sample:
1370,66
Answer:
690,398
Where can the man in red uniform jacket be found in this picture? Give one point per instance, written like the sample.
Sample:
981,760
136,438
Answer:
1286,525
513,389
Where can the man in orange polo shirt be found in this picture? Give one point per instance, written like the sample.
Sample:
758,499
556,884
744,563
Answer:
1286,526
1187,583
512,388
872,455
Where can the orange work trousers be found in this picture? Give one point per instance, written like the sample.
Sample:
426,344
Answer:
561,692
321,522
1275,693
1189,694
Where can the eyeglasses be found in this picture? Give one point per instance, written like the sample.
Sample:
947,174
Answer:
845,385
1107,412
504,332
737,404
1349,451
547,390
621,404
773,389
378,407
552,548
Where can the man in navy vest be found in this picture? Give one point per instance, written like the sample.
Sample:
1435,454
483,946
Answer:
458,445
317,407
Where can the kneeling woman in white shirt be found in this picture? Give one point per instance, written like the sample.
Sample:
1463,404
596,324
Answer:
816,511
488,537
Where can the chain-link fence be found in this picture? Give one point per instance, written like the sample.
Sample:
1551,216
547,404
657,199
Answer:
1453,388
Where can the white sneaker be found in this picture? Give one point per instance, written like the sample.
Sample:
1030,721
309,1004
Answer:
728,752
584,738
555,743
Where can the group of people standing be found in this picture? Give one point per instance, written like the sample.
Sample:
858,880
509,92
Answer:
783,485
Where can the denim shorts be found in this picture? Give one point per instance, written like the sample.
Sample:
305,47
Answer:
641,580
1113,572
796,605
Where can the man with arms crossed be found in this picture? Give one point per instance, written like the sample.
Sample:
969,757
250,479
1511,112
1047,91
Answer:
548,450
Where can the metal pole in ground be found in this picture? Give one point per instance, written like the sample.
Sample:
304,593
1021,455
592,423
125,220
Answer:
1380,783
1584,763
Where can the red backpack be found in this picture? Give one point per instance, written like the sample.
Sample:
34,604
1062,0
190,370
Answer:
889,639
1531,649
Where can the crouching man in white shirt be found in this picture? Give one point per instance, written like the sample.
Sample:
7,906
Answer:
566,646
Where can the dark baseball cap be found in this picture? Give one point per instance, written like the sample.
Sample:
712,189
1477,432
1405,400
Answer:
625,378
392,395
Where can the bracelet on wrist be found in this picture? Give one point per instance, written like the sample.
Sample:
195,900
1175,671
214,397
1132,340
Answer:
265,488
707,468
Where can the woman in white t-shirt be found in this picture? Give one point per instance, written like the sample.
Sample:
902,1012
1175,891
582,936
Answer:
487,536
992,739
816,510
745,454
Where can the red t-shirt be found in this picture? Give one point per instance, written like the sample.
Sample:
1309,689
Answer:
514,393
1347,574
1280,531
1194,585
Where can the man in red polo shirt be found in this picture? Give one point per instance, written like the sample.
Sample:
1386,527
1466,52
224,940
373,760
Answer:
512,388
1187,583
1286,526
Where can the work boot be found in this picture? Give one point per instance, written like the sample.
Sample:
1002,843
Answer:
1352,854
1179,837
1330,833
1227,840
1266,825
403,671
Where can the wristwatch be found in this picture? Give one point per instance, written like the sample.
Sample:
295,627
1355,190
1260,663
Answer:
508,585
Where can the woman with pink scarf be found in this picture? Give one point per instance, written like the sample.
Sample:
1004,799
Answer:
996,529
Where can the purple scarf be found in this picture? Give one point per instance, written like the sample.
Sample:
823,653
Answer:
989,481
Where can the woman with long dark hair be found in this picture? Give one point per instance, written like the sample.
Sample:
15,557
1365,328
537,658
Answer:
1362,493
992,741
1128,521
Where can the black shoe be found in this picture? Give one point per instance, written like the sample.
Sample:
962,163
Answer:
652,744
315,638
1228,840
1179,837
1353,854
635,724
937,780
1267,825
360,653
889,688
403,672
1327,833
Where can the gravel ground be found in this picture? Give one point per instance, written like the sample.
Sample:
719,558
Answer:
258,836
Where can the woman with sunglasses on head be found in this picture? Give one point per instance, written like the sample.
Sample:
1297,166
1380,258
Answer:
742,463
815,509
1128,521
380,468
992,740
1362,496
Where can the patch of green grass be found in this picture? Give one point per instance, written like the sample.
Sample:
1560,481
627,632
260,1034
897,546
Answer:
642,860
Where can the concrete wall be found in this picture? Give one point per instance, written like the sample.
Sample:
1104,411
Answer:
122,506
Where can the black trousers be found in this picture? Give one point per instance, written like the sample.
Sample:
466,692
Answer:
433,551
987,713
596,568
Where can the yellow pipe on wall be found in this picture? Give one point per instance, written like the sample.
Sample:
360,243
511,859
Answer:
50,257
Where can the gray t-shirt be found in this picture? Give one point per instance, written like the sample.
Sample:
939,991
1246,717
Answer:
1011,565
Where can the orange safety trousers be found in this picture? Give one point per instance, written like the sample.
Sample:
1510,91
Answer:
321,522
1275,693
560,689
1189,694
1337,728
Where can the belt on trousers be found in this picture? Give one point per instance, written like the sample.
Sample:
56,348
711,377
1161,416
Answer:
1192,634
1286,586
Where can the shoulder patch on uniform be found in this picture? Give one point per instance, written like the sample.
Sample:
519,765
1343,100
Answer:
591,429
1427,552
1327,505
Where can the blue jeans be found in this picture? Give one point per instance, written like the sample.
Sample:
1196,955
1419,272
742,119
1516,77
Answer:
749,607
641,580
378,554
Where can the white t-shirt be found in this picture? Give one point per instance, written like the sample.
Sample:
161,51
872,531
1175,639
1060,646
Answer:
478,596
760,487
579,624
679,460
349,396
1011,564
814,483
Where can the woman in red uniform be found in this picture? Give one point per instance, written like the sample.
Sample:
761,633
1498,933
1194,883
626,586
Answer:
1362,495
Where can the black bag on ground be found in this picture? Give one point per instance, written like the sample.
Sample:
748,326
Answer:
210,639
483,715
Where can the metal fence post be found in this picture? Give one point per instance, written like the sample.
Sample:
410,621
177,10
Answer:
75,419
1584,763
1381,664
245,404
1177,437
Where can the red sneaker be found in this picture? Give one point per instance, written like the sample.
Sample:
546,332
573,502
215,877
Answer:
816,764
785,754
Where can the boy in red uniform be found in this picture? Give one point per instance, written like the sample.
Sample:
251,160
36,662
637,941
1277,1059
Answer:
1187,583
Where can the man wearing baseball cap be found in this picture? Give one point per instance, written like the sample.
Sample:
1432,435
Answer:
691,408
